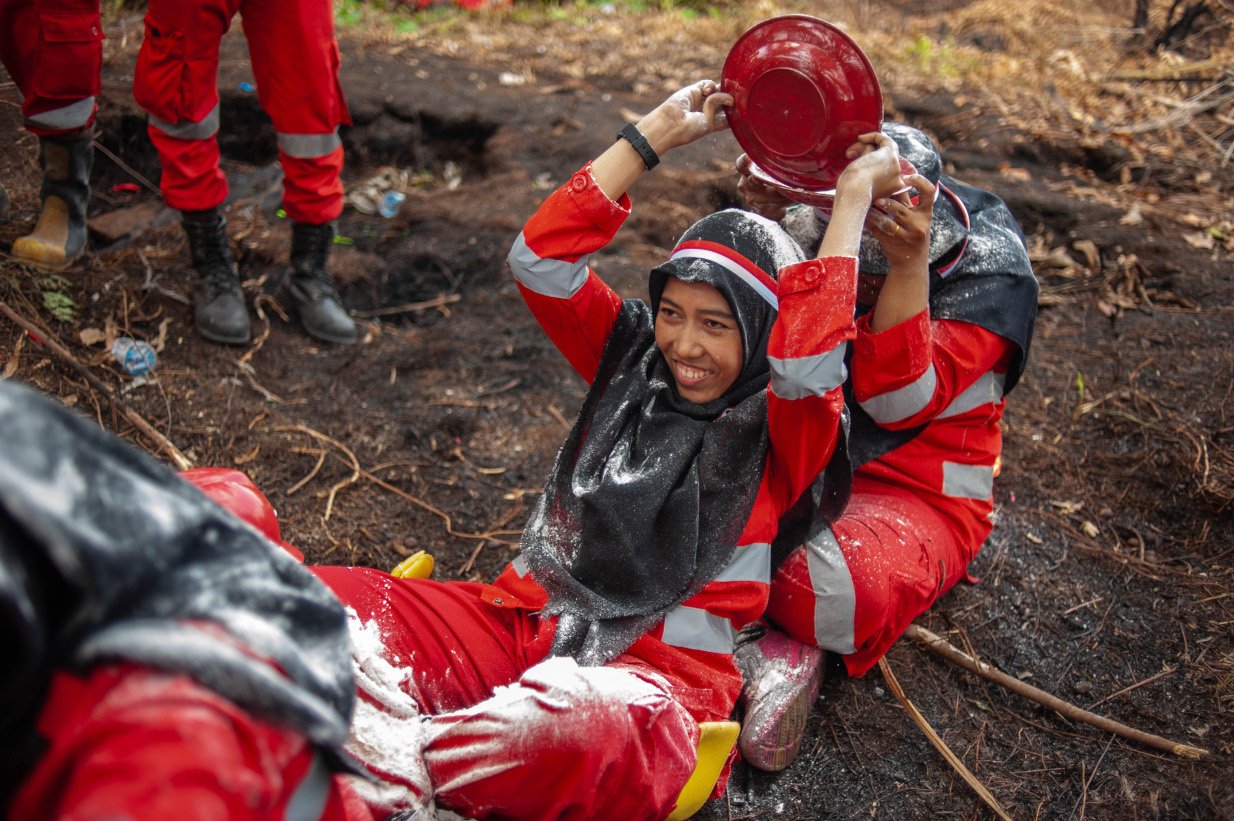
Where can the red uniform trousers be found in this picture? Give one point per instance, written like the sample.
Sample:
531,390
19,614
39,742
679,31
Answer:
557,741
143,745
856,587
53,50
919,513
295,63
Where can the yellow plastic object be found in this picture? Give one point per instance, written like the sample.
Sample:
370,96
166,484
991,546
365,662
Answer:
715,742
418,565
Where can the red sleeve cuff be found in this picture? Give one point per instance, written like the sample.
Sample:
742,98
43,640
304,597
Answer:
902,351
594,204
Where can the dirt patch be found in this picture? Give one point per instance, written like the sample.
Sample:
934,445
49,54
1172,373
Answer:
1107,579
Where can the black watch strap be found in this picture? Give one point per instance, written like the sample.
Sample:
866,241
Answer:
635,137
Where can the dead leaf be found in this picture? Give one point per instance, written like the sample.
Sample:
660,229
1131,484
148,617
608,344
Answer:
1092,257
1200,239
1132,217
91,336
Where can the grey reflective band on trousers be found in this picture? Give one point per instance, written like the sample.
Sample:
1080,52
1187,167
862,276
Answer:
74,115
835,599
809,375
308,802
309,146
188,130
546,277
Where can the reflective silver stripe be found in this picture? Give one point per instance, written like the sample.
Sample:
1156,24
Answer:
187,129
520,565
968,481
750,563
309,800
736,270
809,375
73,115
835,601
308,146
987,390
547,277
696,629
902,403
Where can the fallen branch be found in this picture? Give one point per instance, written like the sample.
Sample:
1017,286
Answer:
181,461
953,654
938,743
409,307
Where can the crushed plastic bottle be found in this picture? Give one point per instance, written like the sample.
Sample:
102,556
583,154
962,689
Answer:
135,356
390,203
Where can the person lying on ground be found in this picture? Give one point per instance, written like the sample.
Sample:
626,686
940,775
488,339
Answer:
178,661
945,310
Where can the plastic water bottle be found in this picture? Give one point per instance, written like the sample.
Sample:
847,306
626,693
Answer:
390,203
135,356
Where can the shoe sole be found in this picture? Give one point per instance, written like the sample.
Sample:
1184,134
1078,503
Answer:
776,747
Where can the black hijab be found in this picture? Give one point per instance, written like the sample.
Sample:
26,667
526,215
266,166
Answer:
650,492
979,272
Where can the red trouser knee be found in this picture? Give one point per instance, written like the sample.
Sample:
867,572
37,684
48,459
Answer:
854,589
295,63
557,741
53,50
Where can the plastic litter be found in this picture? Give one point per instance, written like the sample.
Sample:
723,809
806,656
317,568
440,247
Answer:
136,357
390,203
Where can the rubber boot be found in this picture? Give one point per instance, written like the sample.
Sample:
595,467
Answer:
311,287
218,302
60,234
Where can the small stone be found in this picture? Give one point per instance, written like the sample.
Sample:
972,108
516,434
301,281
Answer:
1082,687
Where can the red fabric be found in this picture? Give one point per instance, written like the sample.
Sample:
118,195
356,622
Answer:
295,62
53,51
815,316
905,540
538,759
139,744
901,556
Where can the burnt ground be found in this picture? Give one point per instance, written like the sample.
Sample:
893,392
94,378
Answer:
1106,582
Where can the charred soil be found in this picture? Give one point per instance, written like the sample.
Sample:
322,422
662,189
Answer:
1107,581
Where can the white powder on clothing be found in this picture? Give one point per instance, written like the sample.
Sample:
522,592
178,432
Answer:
387,733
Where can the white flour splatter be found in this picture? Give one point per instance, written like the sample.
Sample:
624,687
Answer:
387,730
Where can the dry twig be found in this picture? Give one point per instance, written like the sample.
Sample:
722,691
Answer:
953,654
938,743
181,461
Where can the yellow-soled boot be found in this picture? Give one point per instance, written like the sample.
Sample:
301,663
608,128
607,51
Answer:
715,741
60,234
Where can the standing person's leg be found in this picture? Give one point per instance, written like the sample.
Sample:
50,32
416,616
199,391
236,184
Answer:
176,82
851,590
53,50
510,734
296,61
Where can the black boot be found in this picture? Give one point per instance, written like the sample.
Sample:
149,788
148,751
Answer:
312,288
218,302
61,231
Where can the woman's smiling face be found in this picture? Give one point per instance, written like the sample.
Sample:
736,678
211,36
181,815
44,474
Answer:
699,338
